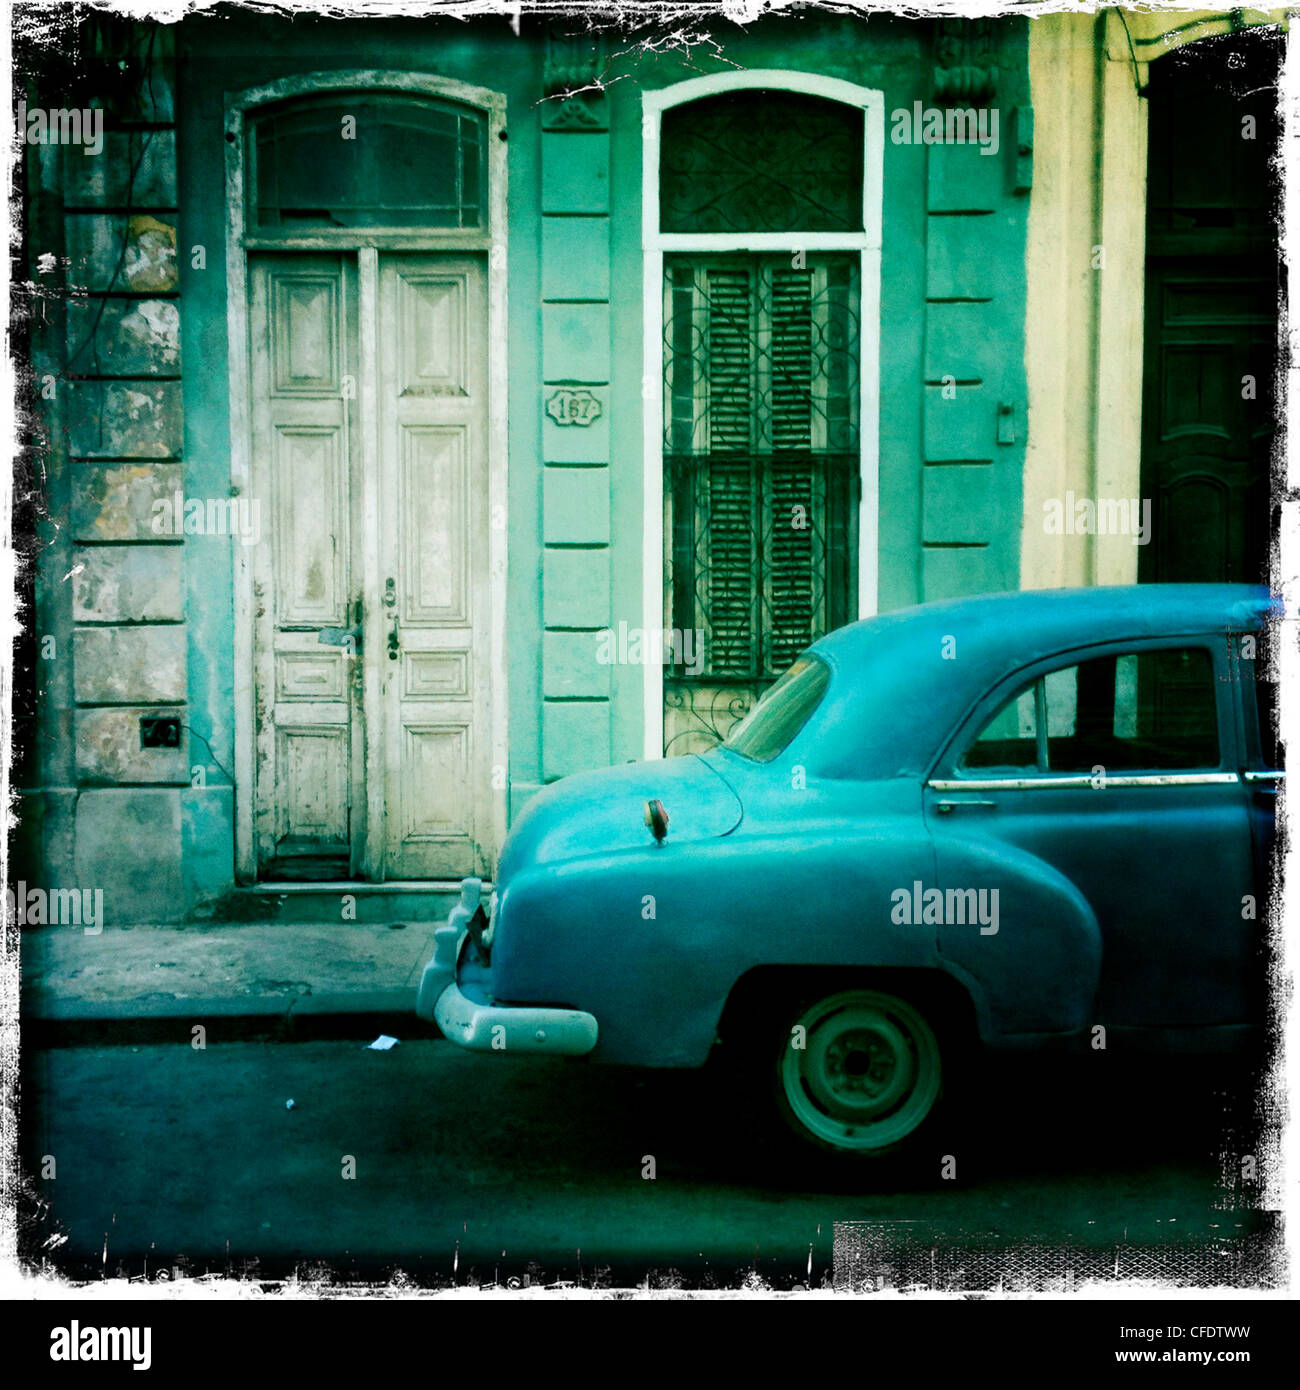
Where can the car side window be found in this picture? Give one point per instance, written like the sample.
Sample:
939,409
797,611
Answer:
1009,741
1145,711
1266,704
1139,711
1258,666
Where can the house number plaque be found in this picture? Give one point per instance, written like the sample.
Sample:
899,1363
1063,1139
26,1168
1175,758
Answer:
570,406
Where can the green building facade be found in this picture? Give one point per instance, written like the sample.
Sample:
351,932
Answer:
438,410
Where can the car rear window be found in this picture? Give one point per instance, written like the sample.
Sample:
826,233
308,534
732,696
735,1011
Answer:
768,729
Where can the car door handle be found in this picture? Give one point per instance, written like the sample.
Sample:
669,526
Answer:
945,808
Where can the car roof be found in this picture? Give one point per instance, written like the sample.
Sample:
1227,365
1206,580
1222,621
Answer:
900,686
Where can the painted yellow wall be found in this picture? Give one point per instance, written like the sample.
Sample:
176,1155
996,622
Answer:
1084,308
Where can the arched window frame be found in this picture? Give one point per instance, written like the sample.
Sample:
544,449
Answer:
655,244
243,109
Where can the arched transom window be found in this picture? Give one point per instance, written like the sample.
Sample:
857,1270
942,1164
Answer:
761,161
366,159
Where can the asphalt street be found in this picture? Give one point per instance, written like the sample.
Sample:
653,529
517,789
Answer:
448,1166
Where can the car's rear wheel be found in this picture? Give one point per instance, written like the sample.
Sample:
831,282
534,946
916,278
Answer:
858,1072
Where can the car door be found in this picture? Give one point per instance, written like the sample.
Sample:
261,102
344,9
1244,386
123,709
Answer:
1117,768
1264,774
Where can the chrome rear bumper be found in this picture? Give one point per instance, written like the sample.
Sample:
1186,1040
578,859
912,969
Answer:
483,1027
470,1018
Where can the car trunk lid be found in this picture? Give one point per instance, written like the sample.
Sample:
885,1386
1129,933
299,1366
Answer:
603,812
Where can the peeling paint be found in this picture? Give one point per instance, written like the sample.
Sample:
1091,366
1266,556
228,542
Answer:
150,259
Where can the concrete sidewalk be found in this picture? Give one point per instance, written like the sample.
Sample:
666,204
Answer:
246,980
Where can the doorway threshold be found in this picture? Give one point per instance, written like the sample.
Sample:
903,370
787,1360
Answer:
345,901
361,887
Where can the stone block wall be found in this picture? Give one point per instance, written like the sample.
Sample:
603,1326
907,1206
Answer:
110,612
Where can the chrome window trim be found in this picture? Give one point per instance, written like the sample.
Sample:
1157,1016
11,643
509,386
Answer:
1153,779
1279,776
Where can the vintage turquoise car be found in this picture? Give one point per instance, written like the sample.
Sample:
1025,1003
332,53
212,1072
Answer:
1026,820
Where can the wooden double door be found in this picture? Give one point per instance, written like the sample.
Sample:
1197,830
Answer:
369,425
1212,292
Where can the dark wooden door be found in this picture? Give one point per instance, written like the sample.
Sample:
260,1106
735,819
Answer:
1211,311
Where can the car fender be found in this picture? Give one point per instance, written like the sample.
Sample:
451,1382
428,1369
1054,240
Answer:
1037,969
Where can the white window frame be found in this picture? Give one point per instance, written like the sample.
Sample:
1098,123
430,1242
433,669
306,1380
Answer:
655,244
241,108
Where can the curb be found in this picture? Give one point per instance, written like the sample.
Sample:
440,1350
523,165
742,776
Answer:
360,1015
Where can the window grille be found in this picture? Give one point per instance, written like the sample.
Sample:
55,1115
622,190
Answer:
761,161
761,457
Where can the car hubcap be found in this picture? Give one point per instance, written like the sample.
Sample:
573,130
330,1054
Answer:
867,1072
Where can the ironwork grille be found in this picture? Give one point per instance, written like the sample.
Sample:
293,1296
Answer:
761,456
761,161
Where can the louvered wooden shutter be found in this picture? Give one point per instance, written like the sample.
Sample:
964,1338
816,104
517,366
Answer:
760,411
729,502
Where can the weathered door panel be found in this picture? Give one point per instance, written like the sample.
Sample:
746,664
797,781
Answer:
1208,421
1212,294
433,564
308,763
